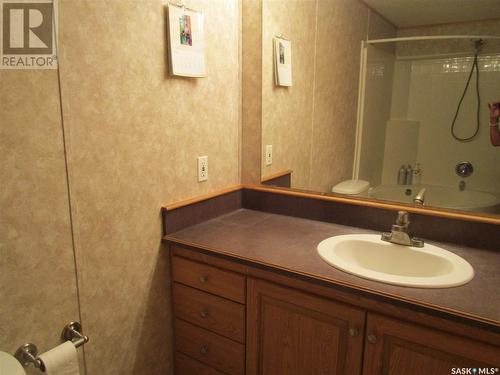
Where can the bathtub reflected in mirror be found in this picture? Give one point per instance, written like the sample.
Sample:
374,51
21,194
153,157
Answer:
439,196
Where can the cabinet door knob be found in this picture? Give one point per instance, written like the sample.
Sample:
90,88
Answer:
204,313
203,279
372,339
353,332
204,349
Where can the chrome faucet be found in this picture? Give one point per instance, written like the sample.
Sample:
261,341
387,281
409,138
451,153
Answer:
399,232
420,197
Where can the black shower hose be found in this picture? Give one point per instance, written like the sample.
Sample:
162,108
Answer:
475,66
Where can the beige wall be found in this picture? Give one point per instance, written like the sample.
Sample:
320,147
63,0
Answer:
133,135
312,124
37,271
251,82
287,111
341,27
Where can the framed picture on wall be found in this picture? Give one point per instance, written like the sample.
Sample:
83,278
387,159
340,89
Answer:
282,61
186,41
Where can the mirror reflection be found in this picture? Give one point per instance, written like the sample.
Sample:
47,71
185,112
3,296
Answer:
393,100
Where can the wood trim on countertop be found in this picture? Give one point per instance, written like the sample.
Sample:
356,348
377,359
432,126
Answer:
476,217
201,198
482,218
276,175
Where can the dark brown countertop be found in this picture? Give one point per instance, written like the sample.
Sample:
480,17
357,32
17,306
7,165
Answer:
289,243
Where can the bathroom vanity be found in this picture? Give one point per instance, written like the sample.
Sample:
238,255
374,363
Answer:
252,296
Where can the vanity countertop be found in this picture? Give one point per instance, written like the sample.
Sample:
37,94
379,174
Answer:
289,243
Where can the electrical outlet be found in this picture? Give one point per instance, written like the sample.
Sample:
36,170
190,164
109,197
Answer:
202,168
269,154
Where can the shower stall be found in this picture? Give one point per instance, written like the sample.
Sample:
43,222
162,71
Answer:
423,104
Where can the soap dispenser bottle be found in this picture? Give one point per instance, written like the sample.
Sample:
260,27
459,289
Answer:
402,175
409,175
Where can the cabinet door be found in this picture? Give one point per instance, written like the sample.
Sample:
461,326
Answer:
395,348
294,333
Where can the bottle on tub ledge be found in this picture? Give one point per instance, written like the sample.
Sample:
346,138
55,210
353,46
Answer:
402,175
417,174
409,175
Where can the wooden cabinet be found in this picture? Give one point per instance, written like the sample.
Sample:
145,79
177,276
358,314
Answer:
214,350
210,279
394,348
185,365
294,333
234,319
211,312
209,326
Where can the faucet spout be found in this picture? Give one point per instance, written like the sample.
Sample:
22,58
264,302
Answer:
420,197
399,232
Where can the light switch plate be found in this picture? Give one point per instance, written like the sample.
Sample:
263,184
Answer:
269,154
202,168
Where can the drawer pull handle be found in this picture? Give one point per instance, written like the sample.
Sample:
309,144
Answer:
353,332
204,313
203,279
204,349
372,339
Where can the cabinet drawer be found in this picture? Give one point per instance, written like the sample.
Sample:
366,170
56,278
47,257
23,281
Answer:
214,280
188,366
214,313
216,351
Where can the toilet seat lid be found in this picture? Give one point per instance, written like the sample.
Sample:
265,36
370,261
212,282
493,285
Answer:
351,187
10,365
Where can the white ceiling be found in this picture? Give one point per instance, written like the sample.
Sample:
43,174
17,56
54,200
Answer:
408,13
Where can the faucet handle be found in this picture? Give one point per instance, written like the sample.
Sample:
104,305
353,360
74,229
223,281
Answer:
403,219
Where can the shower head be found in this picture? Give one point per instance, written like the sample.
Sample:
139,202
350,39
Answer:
478,44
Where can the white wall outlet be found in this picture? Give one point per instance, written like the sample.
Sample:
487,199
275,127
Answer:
269,154
202,168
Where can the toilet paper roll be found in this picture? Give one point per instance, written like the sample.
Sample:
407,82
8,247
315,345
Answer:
62,360
9,365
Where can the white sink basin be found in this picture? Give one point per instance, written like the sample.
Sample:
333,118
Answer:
366,255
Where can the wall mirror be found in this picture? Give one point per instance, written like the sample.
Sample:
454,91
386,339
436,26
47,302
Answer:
389,101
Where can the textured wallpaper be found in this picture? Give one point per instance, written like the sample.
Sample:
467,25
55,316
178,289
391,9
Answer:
312,124
37,273
134,134
287,111
251,90
341,27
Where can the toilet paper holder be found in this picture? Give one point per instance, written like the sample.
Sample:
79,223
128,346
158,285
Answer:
28,353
